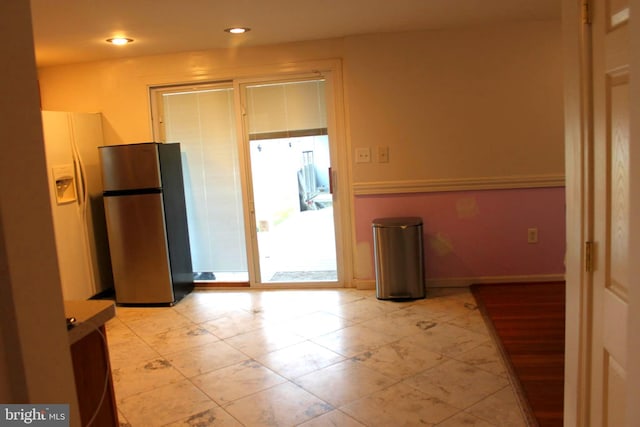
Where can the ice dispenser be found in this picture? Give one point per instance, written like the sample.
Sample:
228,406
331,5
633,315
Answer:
64,180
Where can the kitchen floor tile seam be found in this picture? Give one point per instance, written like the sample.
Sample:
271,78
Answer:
479,368
452,320
508,386
215,369
125,312
418,373
393,382
187,420
137,333
120,401
306,373
248,359
140,362
346,403
355,417
346,356
153,346
232,336
382,331
484,341
227,404
173,308
218,340
455,405
213,403
124,324
364,321
465,413
270,323
145,391
427,395
254,358
111,352
490,340
303,339
203,391
312,312
158,354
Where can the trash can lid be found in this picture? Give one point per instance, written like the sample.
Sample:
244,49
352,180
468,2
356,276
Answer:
410,221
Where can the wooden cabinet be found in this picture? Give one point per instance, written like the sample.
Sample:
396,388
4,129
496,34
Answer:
93,380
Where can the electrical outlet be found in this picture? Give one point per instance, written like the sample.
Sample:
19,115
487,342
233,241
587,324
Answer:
363,155
532,235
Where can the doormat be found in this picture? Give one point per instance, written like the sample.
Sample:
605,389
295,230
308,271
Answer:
304,276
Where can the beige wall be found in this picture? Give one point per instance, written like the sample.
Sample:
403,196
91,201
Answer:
450,104
119,89
455,104
36,364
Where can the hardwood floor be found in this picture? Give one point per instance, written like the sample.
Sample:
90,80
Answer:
529,319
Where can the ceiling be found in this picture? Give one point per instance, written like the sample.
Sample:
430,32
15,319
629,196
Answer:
71,31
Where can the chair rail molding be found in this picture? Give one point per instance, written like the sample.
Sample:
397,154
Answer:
458,184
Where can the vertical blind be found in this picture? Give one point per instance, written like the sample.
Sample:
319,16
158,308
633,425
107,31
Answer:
204,123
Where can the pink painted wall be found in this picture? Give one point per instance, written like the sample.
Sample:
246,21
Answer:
476,233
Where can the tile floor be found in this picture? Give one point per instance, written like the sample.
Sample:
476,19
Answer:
309,358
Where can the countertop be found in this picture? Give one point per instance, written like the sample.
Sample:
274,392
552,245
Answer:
89,314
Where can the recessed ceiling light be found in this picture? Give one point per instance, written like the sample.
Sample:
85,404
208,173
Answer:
237,30
119,41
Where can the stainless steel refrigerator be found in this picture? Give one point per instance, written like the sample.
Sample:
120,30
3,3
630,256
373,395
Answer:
146,223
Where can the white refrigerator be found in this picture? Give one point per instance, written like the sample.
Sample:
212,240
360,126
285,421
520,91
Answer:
73,167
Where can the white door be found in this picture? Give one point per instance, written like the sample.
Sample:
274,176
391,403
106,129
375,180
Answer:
611,219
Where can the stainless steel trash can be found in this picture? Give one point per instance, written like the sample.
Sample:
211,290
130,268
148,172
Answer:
399,262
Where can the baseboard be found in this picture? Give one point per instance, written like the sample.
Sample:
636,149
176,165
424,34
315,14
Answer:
461,282
364,284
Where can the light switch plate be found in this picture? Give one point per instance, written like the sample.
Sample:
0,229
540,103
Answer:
383,154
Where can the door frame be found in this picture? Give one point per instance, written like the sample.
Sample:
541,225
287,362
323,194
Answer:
633,372
579,210
340,172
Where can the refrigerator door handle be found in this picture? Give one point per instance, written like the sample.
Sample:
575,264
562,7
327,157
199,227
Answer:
81,178
81,187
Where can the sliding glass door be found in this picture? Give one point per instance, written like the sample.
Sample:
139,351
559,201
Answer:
257,159
290,164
